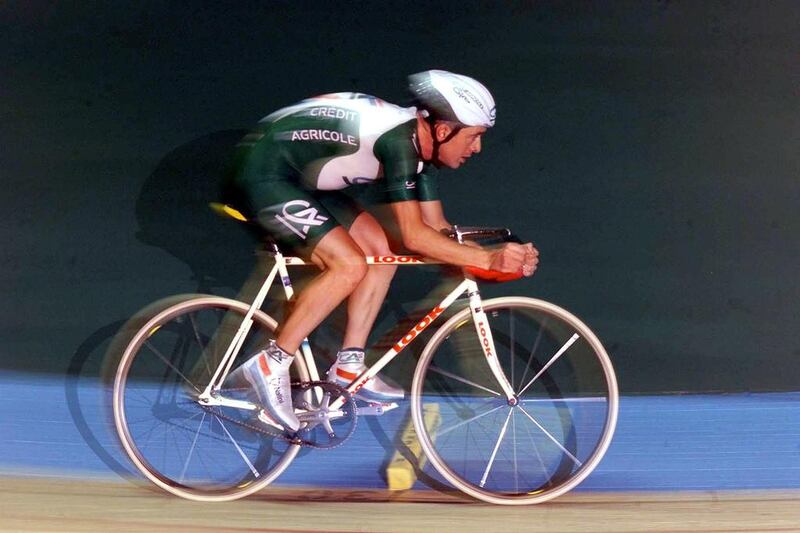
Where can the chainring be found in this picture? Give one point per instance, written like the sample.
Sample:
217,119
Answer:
323,429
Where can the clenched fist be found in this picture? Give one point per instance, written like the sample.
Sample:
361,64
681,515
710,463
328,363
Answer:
513,257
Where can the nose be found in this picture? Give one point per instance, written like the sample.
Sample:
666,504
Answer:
476,146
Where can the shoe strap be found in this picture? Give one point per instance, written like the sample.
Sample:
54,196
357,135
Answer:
276,353
350,355
349,376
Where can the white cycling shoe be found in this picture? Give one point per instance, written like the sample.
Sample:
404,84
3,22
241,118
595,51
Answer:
268,374
349,365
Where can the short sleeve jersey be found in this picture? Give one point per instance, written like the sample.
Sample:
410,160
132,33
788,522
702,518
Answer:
333,141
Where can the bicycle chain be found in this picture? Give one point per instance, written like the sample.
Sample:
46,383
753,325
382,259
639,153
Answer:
273,432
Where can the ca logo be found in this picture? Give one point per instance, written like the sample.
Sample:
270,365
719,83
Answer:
300,220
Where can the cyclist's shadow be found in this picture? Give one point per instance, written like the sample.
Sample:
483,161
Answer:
173,214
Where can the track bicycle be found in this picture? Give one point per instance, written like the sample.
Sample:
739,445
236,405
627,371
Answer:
514,400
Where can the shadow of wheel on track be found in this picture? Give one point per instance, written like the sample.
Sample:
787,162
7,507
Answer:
88,391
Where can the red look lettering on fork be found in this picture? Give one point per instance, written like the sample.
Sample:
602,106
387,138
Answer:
487,349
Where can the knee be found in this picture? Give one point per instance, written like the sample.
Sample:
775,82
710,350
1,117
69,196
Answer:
350,272
385,271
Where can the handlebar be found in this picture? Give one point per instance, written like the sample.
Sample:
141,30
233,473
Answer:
473,233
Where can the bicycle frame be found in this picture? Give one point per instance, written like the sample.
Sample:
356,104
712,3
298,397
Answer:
209,396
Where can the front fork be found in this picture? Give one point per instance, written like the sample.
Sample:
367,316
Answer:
486,340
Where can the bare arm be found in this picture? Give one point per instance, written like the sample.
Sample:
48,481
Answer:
423,239
433,215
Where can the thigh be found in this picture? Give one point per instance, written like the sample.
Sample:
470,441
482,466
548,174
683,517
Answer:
369,235
341,206
337,249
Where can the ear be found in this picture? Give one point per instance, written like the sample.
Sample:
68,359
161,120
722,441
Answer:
442,130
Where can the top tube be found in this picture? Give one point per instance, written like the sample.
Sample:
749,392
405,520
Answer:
405,260
459,233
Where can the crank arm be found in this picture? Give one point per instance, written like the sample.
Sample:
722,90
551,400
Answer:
220,401
316,416
376,409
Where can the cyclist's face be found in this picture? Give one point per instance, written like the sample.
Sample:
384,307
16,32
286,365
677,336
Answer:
457,150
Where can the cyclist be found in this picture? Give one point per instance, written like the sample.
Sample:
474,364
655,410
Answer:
289,172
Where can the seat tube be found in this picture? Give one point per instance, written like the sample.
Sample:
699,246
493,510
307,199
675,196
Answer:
305,346
484,331
244,328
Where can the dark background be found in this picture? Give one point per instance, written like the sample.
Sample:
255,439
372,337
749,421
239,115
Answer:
649,149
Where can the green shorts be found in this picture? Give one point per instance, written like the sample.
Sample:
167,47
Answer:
298,218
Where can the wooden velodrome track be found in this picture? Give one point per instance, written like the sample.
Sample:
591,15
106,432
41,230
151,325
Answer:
47,504
63,472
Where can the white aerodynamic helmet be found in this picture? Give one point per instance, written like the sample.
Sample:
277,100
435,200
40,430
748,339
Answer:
453,97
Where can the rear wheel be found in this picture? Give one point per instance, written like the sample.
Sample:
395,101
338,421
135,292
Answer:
199,452
544,443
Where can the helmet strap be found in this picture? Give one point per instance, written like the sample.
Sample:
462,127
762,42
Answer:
454,129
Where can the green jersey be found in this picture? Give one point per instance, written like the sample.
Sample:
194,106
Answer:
290,169
333,141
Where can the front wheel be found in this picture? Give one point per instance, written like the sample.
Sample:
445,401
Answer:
543,442
196,451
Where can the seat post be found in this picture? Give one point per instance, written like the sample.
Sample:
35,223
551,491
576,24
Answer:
271,246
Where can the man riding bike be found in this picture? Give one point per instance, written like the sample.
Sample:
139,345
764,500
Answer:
290,170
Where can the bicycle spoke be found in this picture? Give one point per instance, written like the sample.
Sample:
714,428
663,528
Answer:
467,421
149,433
181,439
173,434
536,451
166,394
463,380
206,453
238,449
552,360
551,437
169,364
533,350
145,400
566,400
496,447
202,346
199,413
512,343
457,400
191,449
204,464
142,420
514,451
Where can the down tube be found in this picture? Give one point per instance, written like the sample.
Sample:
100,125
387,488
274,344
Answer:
412,334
